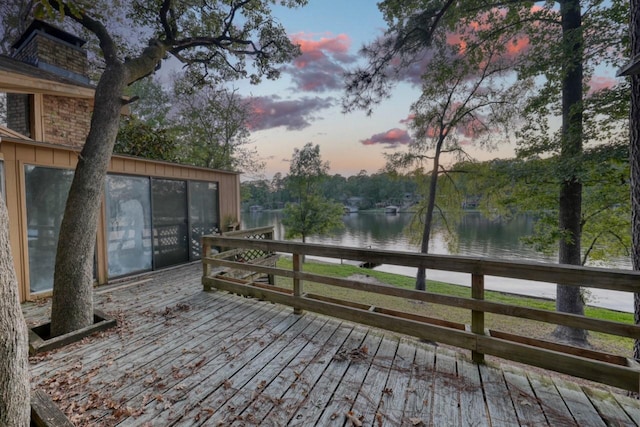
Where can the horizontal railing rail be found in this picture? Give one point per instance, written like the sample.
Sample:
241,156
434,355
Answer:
593,365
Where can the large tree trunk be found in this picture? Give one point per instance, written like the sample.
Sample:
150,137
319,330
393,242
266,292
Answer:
72,305
569,298
14,364
634,140
421,276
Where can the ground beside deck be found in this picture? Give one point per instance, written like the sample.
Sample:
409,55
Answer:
184,357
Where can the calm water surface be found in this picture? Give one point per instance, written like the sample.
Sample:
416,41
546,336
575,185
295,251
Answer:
477,236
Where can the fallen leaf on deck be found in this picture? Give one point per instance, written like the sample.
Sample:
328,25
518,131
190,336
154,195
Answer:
355,421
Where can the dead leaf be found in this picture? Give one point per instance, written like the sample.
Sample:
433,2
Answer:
355,421
379,418
416,422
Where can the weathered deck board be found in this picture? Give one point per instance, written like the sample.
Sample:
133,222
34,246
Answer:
149,330
349,386
473,411
446,390
254,375
420,391
523,397
367,404
182,360
500,406
269,382
630,406
608,408
393,400
216,371
296,396
555,410
320,393
579,404
183,357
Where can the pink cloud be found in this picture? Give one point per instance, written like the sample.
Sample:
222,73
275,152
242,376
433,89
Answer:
408,119
390,138
514,46
316,50
321,65
598,83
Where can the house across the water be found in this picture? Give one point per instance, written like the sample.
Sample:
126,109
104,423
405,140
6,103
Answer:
153,213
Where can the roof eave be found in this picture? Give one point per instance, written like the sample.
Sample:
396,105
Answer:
19,83
632,68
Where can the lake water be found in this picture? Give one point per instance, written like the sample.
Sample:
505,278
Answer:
477,236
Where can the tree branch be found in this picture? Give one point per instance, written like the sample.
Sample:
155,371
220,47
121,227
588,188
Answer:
107,45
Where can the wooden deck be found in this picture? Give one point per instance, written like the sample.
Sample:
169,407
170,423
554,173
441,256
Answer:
184,357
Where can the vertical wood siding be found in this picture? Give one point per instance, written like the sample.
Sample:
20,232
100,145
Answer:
16,154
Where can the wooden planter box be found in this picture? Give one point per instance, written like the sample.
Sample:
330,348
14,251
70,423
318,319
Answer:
45,413
39,340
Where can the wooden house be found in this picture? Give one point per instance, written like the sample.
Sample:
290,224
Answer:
153,213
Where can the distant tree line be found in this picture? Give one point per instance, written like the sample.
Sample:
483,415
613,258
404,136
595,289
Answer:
362,190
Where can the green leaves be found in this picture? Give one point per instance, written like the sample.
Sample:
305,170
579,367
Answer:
508,187
312,213
137,138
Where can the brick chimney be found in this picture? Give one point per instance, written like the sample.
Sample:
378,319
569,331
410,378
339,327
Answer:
54,50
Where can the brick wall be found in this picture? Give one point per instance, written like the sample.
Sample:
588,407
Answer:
28,53
66,120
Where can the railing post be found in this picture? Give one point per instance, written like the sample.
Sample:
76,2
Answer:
206,267
271,279
477,317
297,283
206,252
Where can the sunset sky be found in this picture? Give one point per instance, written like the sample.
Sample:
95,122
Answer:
304,105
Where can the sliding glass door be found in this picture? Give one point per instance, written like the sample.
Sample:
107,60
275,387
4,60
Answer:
128,205
170,222
46,195
154,223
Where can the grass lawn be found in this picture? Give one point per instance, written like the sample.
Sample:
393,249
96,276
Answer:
599,341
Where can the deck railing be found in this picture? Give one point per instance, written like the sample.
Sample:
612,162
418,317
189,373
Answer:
593,365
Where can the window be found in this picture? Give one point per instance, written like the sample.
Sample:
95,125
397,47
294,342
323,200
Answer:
128,206
16,112
170,222
203,213
46,195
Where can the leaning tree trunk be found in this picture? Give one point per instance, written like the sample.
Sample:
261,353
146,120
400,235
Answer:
421,276
72,305
14,364
569,298
634,140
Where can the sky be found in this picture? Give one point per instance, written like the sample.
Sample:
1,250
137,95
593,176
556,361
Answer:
304,105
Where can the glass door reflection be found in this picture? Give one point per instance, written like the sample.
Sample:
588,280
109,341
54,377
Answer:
170,222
